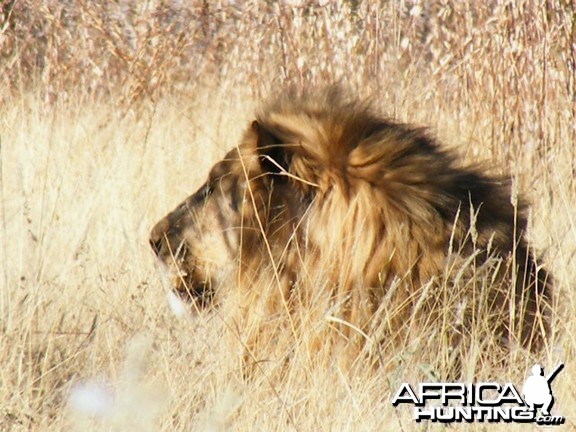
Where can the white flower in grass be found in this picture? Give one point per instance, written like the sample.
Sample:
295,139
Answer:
91,399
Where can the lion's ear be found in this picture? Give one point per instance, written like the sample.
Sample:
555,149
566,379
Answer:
274,156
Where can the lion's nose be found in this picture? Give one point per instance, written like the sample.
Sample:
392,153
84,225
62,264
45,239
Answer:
158,237
156,245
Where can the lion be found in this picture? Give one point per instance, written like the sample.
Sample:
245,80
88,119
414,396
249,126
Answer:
324,196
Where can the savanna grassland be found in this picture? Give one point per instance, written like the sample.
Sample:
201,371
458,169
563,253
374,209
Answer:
111,113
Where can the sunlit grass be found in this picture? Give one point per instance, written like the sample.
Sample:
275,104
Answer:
88,339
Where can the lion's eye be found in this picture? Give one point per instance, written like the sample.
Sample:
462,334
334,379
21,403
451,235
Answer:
234,198
234,203
207,191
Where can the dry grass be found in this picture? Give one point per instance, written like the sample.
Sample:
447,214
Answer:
110,114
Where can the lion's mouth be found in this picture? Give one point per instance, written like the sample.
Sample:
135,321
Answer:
192,289
190,283
189,286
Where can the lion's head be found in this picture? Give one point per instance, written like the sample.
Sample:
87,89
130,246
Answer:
242,208
198,241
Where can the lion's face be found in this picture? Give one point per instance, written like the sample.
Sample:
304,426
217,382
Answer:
198,241
242,218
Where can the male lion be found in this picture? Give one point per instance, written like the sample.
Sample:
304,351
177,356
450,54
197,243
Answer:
323,195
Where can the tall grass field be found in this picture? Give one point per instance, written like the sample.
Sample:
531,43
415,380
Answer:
111,113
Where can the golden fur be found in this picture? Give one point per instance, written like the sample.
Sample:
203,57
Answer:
323,195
